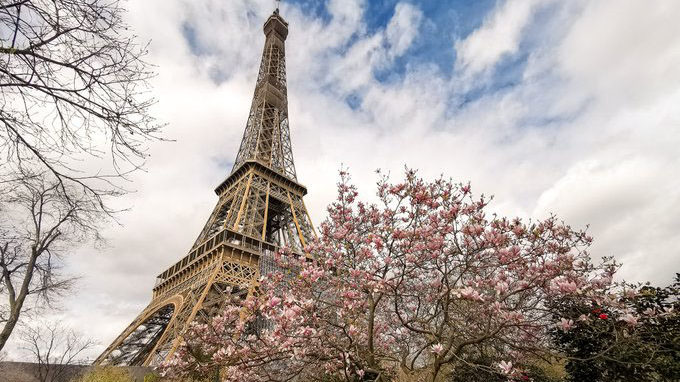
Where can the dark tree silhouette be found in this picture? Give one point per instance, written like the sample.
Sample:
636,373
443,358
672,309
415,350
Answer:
644,346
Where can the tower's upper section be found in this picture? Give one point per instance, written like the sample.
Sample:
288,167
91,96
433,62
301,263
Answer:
276,24
266,138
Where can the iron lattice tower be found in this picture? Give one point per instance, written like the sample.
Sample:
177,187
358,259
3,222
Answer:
260,208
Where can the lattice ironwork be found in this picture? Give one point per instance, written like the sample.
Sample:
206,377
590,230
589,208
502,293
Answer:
138,344
266,137
260,209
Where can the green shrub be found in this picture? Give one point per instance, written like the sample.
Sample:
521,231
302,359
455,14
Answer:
152,378
107,374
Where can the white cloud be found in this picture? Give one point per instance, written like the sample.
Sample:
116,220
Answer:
347,15
403,27
499,35
624,54
352,69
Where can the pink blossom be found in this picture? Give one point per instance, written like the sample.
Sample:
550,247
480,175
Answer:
506,367
630,319
290,314
501,287
274,301
437,348
566,324
471,294
565,286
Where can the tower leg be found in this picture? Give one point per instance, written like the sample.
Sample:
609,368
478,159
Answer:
157,332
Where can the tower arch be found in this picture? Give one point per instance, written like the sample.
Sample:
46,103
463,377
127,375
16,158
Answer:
139,341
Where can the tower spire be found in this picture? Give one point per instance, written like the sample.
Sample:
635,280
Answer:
266,138
260,209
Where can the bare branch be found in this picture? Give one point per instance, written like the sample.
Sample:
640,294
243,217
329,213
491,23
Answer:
44,224
54,347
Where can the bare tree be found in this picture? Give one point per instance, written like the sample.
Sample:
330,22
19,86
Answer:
74,121
72,79
54,347
46,219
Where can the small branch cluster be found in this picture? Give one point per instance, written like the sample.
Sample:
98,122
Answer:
53,348
71,80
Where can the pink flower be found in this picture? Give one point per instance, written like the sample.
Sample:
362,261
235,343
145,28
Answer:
501,287
274,301
307,331
565,286
565,324
437,348
501,271
506,367
471,294
630,319
289,314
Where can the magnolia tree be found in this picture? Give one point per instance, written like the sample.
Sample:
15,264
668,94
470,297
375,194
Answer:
411,288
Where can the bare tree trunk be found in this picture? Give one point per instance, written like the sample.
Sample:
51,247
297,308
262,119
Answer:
47,221
16,302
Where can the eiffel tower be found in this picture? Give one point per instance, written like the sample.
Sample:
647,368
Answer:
260,209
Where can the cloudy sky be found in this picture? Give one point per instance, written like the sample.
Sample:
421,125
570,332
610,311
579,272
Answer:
569,107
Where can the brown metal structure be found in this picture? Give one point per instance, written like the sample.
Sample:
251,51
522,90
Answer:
260,208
